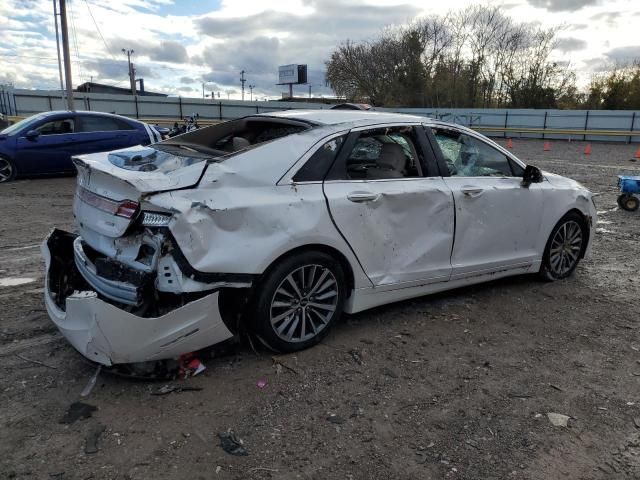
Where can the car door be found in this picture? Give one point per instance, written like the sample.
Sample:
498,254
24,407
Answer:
391,206
497,219
96,133
50,151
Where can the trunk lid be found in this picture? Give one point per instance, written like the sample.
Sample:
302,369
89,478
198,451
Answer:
107,181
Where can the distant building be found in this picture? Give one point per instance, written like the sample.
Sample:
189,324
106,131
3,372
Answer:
91,87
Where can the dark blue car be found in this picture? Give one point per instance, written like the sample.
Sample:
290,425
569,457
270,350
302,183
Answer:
44,143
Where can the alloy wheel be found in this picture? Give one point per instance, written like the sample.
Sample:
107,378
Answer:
6,170
565,248
304,303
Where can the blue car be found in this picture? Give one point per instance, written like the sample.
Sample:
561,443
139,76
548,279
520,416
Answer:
44,143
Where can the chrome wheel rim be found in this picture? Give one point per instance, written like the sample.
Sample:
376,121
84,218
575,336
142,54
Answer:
5,170
565,248
304,303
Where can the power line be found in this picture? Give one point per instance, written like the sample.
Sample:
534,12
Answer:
106,45
75,42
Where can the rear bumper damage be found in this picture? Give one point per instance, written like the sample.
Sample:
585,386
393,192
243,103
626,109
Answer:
107,331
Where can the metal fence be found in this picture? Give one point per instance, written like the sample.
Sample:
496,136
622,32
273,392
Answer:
589,125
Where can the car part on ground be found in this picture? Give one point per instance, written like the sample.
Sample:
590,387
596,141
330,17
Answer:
277,223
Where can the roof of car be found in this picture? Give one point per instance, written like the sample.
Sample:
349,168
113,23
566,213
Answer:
335,117
84,112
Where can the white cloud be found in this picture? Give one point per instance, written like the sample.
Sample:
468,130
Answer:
175,50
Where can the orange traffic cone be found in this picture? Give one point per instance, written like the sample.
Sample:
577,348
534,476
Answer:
637,155
510,144
587,149
547,146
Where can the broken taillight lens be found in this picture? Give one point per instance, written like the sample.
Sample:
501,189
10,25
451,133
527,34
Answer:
127,209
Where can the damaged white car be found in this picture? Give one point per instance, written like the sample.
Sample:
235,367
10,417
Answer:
275,224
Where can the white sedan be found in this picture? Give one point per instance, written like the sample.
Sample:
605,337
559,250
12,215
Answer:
275,224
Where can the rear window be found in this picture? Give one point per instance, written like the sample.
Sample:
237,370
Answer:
94,123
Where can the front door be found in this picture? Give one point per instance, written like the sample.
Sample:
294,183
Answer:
497,219
51,150
397,220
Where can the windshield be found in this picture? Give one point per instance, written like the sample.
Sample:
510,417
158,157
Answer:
157,158
21,124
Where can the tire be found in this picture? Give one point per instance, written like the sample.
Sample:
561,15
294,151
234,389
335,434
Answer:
7,170
286,319
564,248
628,202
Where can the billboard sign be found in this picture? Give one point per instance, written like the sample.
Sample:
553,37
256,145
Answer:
292,74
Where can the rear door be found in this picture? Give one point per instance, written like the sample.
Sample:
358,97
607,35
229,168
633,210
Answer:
97,133
497,219
51,150
392,207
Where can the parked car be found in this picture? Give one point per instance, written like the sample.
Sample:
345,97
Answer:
277,223
44,143
351,106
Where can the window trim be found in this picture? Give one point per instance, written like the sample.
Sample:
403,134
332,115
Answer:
442,162
338,171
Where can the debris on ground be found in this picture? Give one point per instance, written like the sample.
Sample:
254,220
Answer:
558,419
77,410
636,421
190,366
333,418
91,383
355,354
261,383
91,444
231,444
167,389
278,361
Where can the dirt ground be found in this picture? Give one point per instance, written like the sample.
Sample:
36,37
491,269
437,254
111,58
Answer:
456,385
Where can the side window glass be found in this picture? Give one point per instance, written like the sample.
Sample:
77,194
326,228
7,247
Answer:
57,127
384,153
319,163
97,124
467,156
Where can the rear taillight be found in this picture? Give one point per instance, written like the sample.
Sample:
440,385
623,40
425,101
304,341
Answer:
127,209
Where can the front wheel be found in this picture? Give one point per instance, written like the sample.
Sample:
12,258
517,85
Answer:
298,300
564,248
7,170
628,202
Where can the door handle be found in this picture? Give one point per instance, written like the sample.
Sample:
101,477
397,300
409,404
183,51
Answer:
361,197
472,192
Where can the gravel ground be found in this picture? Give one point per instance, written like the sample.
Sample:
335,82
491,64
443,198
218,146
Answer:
456,385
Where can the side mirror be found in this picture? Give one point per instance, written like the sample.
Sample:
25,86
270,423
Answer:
32,134
531,175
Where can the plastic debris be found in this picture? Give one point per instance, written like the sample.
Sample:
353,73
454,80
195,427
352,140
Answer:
333,418
91,383
261,383
76,411
558,419
91,445
190,366
166,389
231,444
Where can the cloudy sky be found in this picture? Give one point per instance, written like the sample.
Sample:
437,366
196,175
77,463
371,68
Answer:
179,44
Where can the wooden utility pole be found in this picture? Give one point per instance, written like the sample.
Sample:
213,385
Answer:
65,54
242,81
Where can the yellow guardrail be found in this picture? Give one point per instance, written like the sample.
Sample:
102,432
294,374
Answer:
481,128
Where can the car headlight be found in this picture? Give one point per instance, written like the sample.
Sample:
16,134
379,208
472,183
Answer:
155,219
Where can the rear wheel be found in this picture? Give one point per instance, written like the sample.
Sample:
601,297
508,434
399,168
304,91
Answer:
298,300
564,248
7,170
628,202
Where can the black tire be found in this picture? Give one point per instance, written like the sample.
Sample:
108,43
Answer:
315,307
7,170
569,251
628,202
